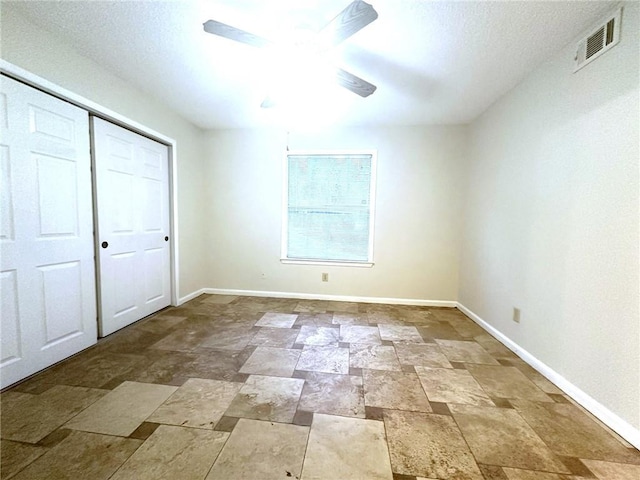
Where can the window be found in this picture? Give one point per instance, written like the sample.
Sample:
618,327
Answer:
328,207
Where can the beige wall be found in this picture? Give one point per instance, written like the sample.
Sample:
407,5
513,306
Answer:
417,218
44,54
551,223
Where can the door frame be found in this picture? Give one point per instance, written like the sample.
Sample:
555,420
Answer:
35,81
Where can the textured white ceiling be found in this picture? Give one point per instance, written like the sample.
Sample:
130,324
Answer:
433,62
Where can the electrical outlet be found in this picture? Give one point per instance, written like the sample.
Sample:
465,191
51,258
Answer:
325,277
516,315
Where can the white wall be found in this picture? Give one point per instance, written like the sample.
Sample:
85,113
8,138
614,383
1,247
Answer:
44,54
551,222
418,212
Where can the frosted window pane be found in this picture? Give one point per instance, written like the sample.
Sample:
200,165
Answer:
329,207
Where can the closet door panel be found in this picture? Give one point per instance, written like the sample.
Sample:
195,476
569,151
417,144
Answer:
132,192
46,238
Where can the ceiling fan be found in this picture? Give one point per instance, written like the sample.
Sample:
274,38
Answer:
352,19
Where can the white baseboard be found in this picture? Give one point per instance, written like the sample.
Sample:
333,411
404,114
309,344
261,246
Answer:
313,296
606,416
191,296
336,298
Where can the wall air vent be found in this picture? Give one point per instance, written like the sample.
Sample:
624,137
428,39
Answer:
600,39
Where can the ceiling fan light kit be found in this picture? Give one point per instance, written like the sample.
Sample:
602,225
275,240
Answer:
357,15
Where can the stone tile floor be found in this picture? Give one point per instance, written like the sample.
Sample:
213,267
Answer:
260,388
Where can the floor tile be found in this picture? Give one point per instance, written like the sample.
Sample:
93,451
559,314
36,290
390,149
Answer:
493,472
396,390
278,362
274,337
449,314
54,437
277,320
349,319
333,394
440,330
428,446
452,386
93,371
570,432
420,354
376,318
184,339
576,467
440,408
613,471
374,413
35,385
131,341
32,417
161,367
267,398
319,336
324,359
229,339
541,382
160,323
398,333
321,306
263,450
493,346
173,452
15,456
376,357
220,322
220,299
315,319
465,327
82,455
349,448
310,306
568,399
339,308
199,403
217,365
144,431
226,424
507,382
463,351
303,418
415,316
360,334
122,410
499,436
517,474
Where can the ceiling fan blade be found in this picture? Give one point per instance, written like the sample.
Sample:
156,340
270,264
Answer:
233,33
354,83
343,78
352,19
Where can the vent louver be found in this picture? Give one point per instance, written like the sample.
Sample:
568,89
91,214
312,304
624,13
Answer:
601,38
594,43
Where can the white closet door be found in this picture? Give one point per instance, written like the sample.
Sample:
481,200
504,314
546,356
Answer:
46,232
132,192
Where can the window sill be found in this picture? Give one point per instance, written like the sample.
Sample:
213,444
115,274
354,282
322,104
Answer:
329,263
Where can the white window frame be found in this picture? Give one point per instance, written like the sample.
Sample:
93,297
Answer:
285,210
